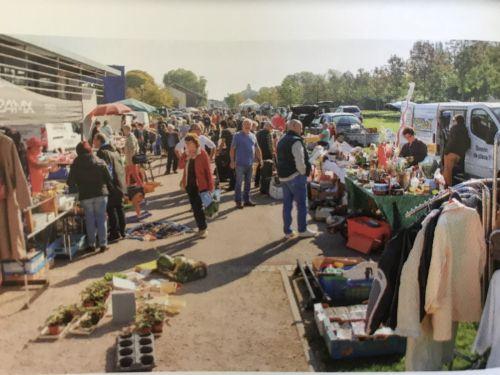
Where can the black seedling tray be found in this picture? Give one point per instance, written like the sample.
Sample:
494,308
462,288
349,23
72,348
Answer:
135,352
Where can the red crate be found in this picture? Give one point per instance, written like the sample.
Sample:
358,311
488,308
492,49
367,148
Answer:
363,237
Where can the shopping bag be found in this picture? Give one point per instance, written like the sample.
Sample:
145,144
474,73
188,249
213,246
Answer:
275,189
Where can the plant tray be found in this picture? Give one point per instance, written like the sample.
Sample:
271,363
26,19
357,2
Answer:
45,336
135,352
77,330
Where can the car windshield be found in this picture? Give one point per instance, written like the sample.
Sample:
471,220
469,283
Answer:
351,109
496,112
345,120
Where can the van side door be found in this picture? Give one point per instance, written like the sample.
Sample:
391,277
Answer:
482,129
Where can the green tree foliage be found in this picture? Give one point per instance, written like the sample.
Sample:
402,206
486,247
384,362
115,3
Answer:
187,79
141,86
464,70
233,100
268,95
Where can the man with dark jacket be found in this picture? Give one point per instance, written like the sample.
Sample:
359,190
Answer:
265,170
293,169
414,149
171,140
116,215
457,144
92,179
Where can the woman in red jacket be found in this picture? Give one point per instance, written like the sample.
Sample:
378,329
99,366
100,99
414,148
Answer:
196,179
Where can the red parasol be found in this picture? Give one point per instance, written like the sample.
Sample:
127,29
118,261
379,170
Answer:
110,109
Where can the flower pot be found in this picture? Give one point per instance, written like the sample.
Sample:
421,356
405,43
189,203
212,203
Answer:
54,329
88,304
144,331
158,327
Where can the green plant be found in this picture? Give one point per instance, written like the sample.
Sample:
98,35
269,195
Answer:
108,277
63,315
153,312
142,322
96,292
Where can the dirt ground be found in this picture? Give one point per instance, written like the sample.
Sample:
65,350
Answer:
237,319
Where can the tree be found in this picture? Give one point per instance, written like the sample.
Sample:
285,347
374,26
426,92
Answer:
396,78
141,86
187,79
290,91
430,67
268,95
233,100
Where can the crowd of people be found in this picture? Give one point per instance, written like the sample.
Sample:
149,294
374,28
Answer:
210,148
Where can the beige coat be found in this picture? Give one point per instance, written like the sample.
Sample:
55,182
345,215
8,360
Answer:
453,291
12,244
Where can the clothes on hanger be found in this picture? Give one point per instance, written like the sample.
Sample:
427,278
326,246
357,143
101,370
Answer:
453,292
488,334
17,197
408,322
383,300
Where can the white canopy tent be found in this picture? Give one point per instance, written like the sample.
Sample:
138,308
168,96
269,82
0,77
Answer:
249,104
19,106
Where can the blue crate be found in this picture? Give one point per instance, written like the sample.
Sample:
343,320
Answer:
78,242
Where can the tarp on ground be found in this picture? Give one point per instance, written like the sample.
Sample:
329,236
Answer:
19,106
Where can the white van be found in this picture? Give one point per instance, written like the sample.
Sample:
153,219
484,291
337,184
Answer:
53,136
432,121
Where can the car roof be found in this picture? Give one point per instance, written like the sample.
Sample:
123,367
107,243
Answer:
349,106
336,114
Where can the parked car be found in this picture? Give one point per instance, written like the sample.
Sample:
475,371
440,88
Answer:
347,124
354,109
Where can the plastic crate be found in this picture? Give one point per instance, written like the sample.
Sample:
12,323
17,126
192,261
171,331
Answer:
369,346
364,237
78,242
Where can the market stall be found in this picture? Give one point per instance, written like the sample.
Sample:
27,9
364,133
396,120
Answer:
26,257
393,207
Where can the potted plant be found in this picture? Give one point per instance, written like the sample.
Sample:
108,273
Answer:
143,324
156,315
96,293
54,322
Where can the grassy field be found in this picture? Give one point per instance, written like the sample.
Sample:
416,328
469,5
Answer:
465,338
381,119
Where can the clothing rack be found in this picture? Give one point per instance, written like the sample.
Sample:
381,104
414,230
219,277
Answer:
445,194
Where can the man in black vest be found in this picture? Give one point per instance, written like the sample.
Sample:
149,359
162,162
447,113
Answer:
293,169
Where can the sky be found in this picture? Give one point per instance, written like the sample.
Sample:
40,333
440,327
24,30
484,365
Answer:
229,66
235,42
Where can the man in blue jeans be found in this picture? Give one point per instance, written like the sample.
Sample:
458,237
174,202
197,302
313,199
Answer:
244,149
293,169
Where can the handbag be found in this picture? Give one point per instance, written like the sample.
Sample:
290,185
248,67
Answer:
275,189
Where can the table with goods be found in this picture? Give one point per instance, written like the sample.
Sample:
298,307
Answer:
392,187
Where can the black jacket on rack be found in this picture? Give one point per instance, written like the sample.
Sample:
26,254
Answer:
383,300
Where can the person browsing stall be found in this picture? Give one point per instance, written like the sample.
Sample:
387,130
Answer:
456,146
91,177
205,142
293,169
244,149
197,178
114,208
414,150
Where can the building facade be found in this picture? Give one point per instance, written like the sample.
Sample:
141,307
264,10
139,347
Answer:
56,73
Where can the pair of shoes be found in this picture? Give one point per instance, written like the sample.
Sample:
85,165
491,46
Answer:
175,172
308,233
290,236
102,249
250,204
114,239
166,173
239,205
203,233
90,249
